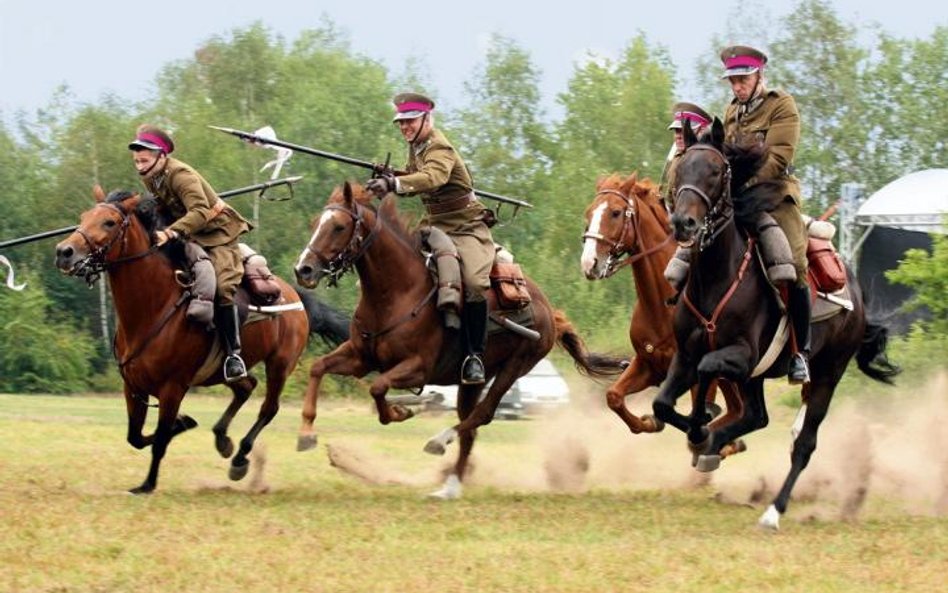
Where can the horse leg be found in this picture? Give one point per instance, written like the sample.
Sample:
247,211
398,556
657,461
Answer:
451,489
636,377
169,402
481,414
409,371
277,372
241,390
137,410
754,417
680,379
344,360
803,446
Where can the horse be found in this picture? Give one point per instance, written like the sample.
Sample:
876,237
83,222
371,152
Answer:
159,352
397,329
627,225
729,316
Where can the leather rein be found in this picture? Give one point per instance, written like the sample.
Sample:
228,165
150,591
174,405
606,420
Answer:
620,252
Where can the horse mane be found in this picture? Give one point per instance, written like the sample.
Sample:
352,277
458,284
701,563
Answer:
645,189
750,200
387,211
146,209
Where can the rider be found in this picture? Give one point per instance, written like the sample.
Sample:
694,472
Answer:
198,215
676,272
436,170
771,116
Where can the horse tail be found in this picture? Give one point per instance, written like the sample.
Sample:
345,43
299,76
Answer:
872,358
588,363
326,322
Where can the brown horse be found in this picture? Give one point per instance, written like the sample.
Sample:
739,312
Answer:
729,321
397,329
627,225
160,353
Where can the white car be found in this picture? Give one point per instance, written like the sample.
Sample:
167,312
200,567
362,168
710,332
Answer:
541,388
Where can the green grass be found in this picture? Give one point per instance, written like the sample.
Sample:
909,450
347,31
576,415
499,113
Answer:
68,526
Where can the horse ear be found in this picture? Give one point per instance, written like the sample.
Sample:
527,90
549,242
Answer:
98,193
347,193
688,134
717,132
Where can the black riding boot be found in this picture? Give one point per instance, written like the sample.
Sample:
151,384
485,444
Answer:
228,326
475,336
799,311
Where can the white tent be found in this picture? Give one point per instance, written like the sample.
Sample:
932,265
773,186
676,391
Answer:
916,202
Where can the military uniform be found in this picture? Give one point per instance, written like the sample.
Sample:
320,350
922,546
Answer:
201,216
771,117
436,170
698,118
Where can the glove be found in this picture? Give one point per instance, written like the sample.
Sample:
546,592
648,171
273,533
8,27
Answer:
381,185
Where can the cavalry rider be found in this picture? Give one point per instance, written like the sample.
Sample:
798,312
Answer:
683,113
770,116
436,170
198,215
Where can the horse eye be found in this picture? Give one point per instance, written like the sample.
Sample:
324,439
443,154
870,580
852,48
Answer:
109,223
616,213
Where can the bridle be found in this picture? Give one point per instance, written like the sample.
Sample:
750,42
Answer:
91,267
620,252
359,242
718,214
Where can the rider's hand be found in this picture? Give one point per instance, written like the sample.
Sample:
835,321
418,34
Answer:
381,185
164,235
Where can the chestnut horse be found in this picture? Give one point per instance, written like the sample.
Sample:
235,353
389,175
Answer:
397,329
627,225
159,351
729,315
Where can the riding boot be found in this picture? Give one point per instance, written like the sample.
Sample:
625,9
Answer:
799,311
228,326
475,338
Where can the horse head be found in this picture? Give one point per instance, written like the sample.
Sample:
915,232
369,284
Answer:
341,235
703,192
614,224
108,233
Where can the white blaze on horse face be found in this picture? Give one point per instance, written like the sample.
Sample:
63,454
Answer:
591,245
307,252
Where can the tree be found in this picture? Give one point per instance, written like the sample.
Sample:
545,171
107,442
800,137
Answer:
927,274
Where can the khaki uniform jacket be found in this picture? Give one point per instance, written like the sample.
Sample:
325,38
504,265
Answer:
436,170
189,199
670,180
776,122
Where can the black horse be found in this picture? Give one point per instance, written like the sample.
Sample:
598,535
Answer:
729,314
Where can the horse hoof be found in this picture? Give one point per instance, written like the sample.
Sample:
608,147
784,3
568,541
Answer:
714,410
450,490
652,424
435,447
770,520
708,463
143,489
306,442
237,472
224,446
438,444
183,423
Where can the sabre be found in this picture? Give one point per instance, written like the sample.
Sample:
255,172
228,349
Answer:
223,195
255,138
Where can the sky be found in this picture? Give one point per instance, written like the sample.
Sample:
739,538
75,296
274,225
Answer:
96,47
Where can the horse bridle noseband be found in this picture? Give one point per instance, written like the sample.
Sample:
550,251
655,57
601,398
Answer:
718,213
343,261
620,254
91,267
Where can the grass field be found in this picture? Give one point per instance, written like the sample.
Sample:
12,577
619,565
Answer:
567,502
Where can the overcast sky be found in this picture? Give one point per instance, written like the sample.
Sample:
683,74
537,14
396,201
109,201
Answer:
118,46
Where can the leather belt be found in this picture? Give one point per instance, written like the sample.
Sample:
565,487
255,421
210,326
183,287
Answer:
450,205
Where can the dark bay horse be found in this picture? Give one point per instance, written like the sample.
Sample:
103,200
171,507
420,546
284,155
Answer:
398,332
159,351
627,225
729,314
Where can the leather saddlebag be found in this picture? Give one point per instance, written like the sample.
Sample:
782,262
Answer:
825,266
509,285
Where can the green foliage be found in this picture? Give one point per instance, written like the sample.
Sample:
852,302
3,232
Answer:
927,274
40,352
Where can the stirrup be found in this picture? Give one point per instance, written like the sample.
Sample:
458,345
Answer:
234,368
799,370
472,370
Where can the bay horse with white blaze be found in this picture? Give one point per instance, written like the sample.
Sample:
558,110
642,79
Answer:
397,330
729,321
627,225
162,354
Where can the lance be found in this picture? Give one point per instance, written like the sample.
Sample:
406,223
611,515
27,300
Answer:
257,139
223,195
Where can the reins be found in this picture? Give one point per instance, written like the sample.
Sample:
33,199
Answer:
92,267
336,267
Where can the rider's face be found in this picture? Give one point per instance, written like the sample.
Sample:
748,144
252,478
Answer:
743,85
410,128
147,162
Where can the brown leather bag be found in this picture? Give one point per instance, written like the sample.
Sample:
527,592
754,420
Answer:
509,286
825,266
